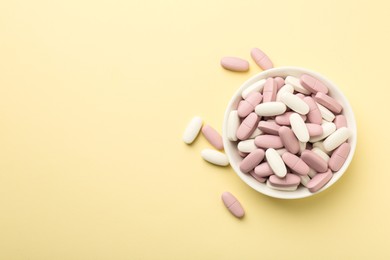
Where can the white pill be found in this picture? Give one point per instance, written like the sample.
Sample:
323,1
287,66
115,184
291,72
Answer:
286,88
215,157
295,103
275,162
328,128
302,146
299,128
233,124
257,132
192,130
326,113
304,179
321,153
312,173
336,138
320,145
291,188
270,109
255,87
281,151
295,82
247,146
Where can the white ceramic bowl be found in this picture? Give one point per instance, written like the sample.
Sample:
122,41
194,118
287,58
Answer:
231,147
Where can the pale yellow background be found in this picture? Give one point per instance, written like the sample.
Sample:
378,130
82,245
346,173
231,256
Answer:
95,95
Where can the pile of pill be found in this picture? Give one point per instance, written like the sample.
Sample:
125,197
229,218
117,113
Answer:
290,131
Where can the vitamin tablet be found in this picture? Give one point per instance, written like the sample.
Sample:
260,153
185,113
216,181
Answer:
192,130
247,126
234,64
214,138
275,162
232,204
252,160
215,157
314,161
319,181
299,128
336,138
233,123
295,103
312,84
261,59
339,156
270,109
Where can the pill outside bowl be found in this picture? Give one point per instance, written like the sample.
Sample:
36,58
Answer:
231,147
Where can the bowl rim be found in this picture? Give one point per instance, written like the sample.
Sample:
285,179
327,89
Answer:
261,187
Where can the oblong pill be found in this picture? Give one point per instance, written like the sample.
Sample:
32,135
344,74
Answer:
232,125
292,188
247,105
328,102
326,113
327,129
285,118
214,138
232,204
263,170
269,90
247,146
295,103
299,128
269,127
295,163
257,178
314,116
336,138
295,82
275,162
234,64
215,157
270,109
192,130
286,88
339,156
289,139
287,181
321,153
251,160
340,121
261,59
268,141
255,87
312,84
319,181
279,82
314,129
247,126
314,161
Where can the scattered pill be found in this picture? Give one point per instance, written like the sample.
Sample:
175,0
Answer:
214,138
232,204
215,157
261,59
192,130
234,64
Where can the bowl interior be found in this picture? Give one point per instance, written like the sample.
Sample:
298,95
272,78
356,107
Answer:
231,147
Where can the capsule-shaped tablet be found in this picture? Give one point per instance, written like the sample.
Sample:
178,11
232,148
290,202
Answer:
261,59
287,181
336,138
326,113
269,127
234,64
289,140
251,160
313,85
314,116
295,82
314,129
322,154
328,102
268,141
233,123
314,161
215,157
270,109
339,156
232,204
299,128
256,133
286,88
257,178
319,181
192,130
327,129
214,138
247,105
247,146
285,118
276,163
255,87
295,163
247,126
295,103
263,170
289,188
340,121
279,82
269,90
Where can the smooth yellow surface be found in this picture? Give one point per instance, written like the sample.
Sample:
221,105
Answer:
94,98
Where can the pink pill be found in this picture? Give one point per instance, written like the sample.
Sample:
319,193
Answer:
232,204
234,64
214,138
314,116
328,102
269,91
263,170
261,59
289,180
268,141
284,119
319,181
269,127
252,160
247,126
313,85
314,161
247,106
295,163
289,139
339,156
257,177
340,121
279,82
314,129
